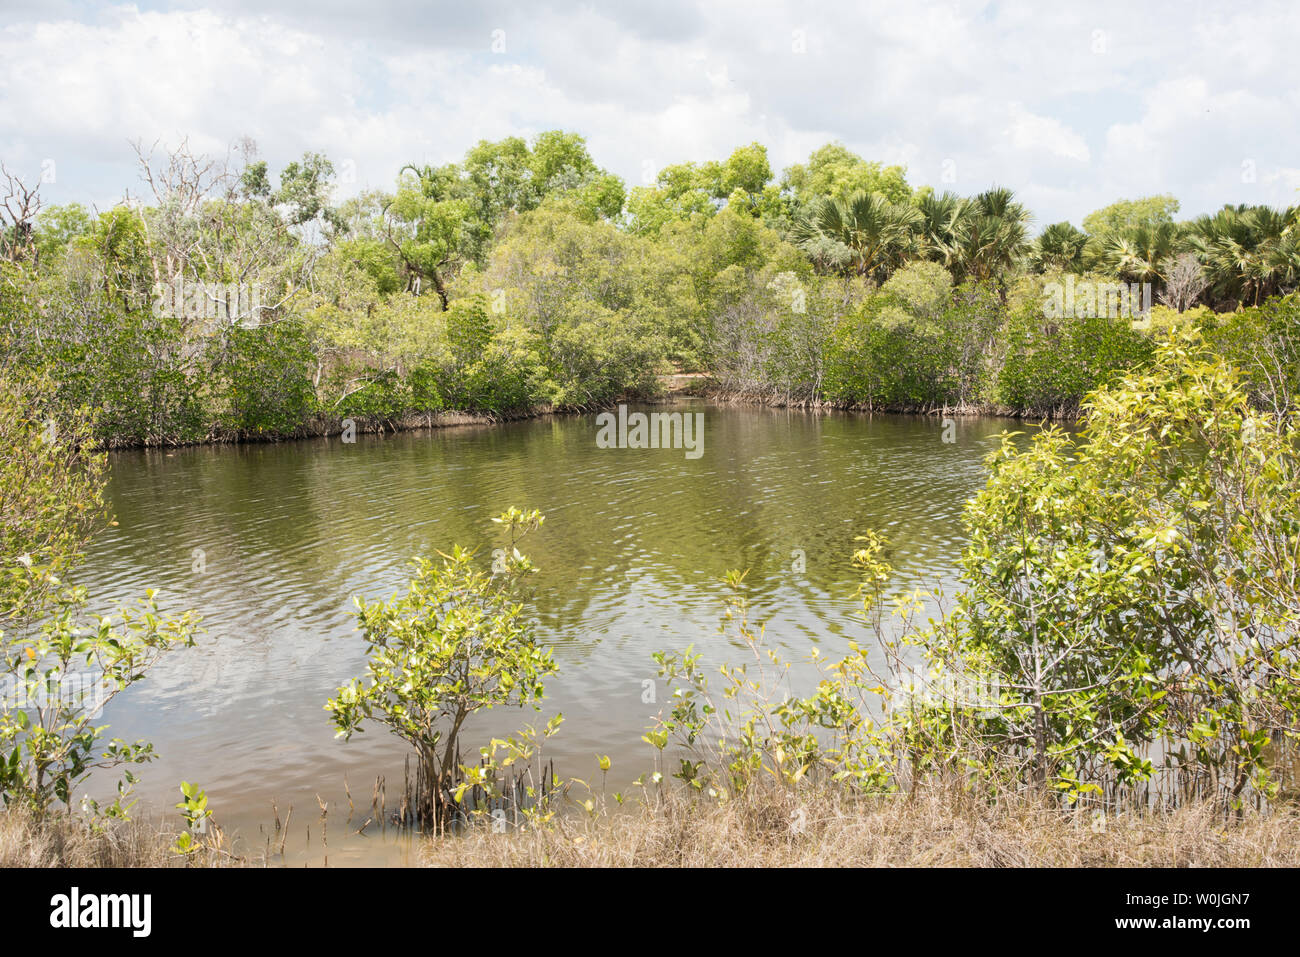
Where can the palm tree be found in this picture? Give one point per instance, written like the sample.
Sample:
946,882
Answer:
1059,248
1283,256
1248,252
1141,254
989,235
939,214
863,233
1275,266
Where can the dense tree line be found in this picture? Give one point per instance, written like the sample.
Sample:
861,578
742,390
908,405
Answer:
230,302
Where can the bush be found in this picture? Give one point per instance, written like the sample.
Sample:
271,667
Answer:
1049,365
1264,343
1136,585
263,380
455,644
59,666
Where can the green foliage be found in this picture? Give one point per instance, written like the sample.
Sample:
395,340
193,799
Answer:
456,210
519,755
917,344
374,258
265,375
63,674
862,233
925,288
1248,252
1160,320
455,644
1138,254
693,192
988,236
599,356
1040,613
1059,249
884,356
1130,586
59,665
202,838
58,227
432,226
1129,214
588,298
835,172
304,189
519,279
51,500
652,208
1050,364
1264,343
746,172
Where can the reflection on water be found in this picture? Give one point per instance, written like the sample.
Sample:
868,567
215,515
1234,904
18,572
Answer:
634,545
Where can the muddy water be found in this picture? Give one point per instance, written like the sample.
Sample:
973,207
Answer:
270,543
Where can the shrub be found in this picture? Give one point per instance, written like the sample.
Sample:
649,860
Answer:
1264,343
1136,584
1051,364
457,643
58,665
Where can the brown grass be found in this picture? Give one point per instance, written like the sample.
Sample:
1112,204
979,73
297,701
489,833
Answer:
929,830
771,829
63,841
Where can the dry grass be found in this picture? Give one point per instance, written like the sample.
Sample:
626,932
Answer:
771,830
62,841
929,830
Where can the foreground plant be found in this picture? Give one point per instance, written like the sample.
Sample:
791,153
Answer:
56,684
455,644
203,840
59,666
1138,587
753,727
1129,616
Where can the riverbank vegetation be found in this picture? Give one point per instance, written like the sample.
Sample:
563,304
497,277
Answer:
67,841
830,828
1126,634
229,303
59,664
769,828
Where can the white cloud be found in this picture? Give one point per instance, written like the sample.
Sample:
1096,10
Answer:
1071,108
1046,135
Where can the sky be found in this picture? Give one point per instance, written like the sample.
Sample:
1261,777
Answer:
1073,106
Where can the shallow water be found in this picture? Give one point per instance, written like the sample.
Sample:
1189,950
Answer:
631,554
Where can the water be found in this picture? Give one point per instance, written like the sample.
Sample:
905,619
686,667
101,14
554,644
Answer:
631,554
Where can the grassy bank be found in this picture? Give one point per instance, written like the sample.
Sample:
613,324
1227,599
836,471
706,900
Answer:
766,828
830,829
61,840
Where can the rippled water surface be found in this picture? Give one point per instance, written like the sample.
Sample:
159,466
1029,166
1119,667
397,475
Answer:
634,545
